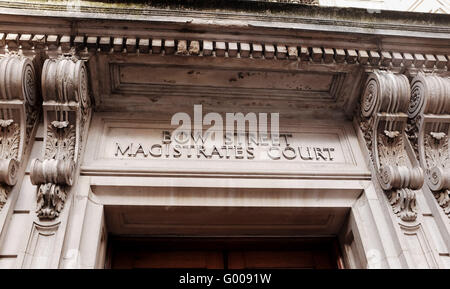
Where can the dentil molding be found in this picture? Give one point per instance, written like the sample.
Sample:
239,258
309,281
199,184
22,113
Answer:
241,49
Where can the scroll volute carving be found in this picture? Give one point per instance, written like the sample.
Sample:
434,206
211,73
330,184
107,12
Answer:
384,107
66,110
429,123
18,115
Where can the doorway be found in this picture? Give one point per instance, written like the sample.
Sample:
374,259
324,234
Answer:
223,253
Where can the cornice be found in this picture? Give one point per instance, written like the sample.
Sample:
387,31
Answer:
292,17
89,45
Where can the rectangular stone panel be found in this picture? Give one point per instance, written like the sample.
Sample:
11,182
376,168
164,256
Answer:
154,143
158,79
313,149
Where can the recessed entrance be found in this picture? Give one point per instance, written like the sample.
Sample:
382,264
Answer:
224,253
223,237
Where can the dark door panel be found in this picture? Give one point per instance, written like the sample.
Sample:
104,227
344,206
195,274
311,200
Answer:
223,253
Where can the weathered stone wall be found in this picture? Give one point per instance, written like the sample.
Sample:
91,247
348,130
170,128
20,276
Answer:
368,94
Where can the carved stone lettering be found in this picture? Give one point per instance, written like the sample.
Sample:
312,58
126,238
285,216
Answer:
294,147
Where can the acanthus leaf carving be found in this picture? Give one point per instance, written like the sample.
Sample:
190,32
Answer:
384,105
50,200
18,116
429,123
67,108
403,202
443,199
61,142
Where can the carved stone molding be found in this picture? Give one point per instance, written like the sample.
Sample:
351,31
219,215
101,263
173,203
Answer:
384,107
428,128
66,110
166,46
18,115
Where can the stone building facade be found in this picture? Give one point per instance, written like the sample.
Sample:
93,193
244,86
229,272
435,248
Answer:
89,90
428,6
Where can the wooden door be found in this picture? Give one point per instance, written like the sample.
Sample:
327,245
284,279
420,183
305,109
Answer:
228,253
279,259
168,259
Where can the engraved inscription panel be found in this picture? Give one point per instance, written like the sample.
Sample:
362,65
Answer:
157,144
140,146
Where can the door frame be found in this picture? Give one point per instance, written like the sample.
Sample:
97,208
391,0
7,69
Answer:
86,238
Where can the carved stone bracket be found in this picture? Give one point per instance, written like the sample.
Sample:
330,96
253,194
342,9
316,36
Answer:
384,106
66,110
18,115
428,128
